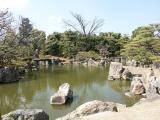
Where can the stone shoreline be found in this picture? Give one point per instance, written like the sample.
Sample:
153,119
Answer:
10,74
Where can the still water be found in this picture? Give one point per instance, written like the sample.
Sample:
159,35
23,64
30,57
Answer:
88,83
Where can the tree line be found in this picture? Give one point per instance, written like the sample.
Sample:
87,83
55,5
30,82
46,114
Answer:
18,42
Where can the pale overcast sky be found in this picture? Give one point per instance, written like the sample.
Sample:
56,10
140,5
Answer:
119,15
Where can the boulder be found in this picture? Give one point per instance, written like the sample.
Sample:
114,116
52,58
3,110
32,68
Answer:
103,61
63,95
90,108
137,87
127,75
115,71
153,86
8,75
138,78
92,62
27,114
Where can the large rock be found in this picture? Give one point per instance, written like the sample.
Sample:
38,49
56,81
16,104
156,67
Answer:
27,114
8,75
115,71
90,108
103,61
144,111
137,87
92,62
127,75
63,95
153,86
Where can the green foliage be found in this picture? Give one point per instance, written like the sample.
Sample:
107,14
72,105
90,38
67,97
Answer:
25,30
90,42
69,43
114,41
38,39
87,55
9,51
144,46
53,46
6,55
24,38
30,39
16,46
62,44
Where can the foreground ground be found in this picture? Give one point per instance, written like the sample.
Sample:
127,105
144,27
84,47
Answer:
149,110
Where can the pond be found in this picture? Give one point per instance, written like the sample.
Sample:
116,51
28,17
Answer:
88,83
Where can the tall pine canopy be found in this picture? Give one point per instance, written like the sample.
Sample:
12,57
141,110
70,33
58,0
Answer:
144,45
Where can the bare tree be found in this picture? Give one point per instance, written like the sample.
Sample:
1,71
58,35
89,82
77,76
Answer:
83,26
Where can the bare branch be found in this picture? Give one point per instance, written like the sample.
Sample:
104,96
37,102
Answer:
83,25
70,25
96,24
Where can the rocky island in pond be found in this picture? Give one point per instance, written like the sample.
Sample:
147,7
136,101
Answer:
63,95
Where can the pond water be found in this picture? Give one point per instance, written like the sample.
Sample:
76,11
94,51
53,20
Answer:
88,83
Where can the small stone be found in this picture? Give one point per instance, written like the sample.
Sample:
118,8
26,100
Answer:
128,94
144,95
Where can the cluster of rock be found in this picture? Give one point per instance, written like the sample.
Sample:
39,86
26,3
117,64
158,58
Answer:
63,95
117,71
138,87
151,89
91,107
10,74
85,109
91,62
26,114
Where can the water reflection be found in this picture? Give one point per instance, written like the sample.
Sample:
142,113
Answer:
37,87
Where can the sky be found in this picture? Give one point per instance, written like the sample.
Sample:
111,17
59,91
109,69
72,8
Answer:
119,15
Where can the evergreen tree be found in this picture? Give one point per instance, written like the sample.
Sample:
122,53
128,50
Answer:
144,46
